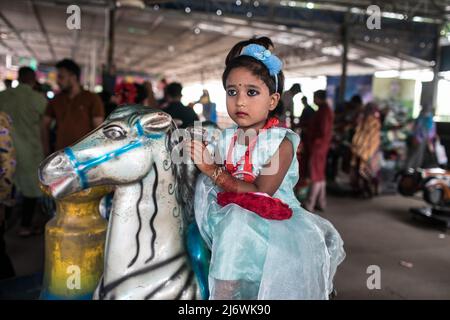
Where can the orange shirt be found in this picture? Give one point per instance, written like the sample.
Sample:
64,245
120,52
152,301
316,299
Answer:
74,116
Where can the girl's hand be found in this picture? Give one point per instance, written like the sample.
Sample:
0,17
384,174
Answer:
201,157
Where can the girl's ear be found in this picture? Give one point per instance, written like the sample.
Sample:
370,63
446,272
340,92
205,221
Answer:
274,98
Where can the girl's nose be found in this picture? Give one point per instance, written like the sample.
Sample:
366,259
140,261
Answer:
241,100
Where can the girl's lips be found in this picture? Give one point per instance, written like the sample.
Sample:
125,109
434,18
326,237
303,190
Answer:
240,114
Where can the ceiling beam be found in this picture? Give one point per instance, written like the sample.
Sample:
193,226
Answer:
154,26
386,52
77,36
408,7
17,33
272,23
139,60
201,63
160,63
43,29
10,49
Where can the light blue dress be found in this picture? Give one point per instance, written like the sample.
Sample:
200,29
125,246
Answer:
257,258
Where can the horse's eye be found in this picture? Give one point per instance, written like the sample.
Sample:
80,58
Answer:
114,133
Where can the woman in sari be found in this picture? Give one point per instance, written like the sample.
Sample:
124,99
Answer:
365,147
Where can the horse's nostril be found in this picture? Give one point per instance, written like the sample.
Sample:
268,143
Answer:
58,161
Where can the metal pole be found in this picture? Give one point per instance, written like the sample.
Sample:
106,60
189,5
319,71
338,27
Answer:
437,60
343,82
93,67
110,52
86,74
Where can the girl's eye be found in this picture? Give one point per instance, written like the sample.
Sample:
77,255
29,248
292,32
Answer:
114,132
231,92
252,92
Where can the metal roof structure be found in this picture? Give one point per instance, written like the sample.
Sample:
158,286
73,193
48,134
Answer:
188,39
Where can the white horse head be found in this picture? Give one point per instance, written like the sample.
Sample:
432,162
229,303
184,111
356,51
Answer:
129,134
145,254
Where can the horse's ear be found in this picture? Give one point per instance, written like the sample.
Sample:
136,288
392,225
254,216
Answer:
156,121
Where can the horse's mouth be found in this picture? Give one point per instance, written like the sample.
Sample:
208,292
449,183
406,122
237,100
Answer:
57,176
55,185
60,187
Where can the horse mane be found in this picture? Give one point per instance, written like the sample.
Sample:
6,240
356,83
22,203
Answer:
185,173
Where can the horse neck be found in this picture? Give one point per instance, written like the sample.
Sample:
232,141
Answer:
146,224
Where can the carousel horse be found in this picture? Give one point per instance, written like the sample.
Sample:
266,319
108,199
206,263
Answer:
153,249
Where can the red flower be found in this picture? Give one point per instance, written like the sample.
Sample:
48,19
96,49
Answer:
260,203
126,92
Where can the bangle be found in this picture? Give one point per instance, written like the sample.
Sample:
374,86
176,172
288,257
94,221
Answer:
217,172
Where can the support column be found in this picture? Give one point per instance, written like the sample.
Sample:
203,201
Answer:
343,82
93,66
110,49
437,60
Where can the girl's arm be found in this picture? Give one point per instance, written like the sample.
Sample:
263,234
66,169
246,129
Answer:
269,180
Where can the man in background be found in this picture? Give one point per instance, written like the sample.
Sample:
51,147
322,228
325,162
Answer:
288,99
26,108
75,110
183,116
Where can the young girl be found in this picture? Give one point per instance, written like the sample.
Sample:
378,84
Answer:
263,244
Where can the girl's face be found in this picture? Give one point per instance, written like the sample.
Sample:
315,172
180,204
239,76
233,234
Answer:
248,99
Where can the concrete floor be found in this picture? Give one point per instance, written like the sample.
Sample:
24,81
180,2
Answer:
378,232
27,254
382,232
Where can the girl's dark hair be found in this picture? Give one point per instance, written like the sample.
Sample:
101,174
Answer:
235,60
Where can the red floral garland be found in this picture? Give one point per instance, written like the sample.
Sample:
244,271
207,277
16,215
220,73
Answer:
126,93
261,203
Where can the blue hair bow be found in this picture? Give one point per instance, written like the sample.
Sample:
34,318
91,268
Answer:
271,61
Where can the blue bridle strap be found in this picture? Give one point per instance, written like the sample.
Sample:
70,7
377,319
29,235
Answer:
76,165
82,167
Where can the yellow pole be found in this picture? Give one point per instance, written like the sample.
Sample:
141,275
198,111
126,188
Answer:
74,246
